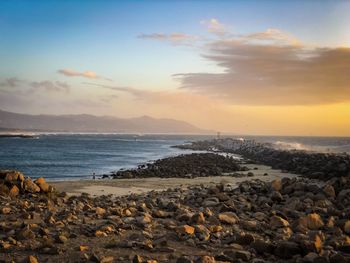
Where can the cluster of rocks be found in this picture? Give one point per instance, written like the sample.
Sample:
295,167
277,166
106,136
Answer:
288,220
14,183
185,166
322,166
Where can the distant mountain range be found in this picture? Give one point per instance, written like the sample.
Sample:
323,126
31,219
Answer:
90,123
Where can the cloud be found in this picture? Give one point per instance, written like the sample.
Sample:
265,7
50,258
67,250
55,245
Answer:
10,82
214,26
173,38
15,84
273,35
56,86
272,74
86,74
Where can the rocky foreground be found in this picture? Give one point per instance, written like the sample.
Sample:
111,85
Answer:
288,220
184,166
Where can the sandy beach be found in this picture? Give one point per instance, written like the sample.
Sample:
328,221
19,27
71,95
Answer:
121,187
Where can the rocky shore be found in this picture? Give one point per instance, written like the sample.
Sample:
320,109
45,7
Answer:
184,166
288,220
322,166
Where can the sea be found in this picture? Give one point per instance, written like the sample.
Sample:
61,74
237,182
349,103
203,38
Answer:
77,156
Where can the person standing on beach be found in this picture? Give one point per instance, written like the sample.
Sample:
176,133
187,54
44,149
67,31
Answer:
93,176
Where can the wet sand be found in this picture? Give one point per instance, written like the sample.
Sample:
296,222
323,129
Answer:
120,187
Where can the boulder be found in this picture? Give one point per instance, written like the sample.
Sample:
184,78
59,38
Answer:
44,186
30,187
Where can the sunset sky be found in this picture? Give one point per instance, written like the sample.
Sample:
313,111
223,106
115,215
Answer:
244,67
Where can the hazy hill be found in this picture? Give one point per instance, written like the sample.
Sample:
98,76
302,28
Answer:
91,123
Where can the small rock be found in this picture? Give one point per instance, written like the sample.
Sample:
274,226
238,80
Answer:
184,259
198,218
185,229
205,259
276,185
14,191
107,259
137,259
314,221
276,196
32,259
228,218
287,249
62,238
347,227
278,222
5,210
244,255
329,190
100,211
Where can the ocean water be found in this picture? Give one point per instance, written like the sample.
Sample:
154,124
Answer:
77,156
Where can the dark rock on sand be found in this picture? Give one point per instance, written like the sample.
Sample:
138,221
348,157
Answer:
185,166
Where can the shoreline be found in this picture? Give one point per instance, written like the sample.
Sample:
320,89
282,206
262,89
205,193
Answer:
121,187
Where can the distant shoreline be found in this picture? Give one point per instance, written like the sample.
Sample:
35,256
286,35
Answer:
17,136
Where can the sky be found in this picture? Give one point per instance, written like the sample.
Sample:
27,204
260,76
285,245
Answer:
242,67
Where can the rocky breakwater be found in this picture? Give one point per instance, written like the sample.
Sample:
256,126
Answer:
322,166
288,220
184,166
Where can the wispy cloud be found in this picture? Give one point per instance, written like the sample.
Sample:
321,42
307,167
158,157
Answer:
173,38
14,84
86,74
214,26
56,86
273,35
10,82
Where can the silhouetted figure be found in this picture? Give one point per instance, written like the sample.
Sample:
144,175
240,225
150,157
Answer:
93,176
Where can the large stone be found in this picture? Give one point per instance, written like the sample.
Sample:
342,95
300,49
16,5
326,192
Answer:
11,176
44,186
30,187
